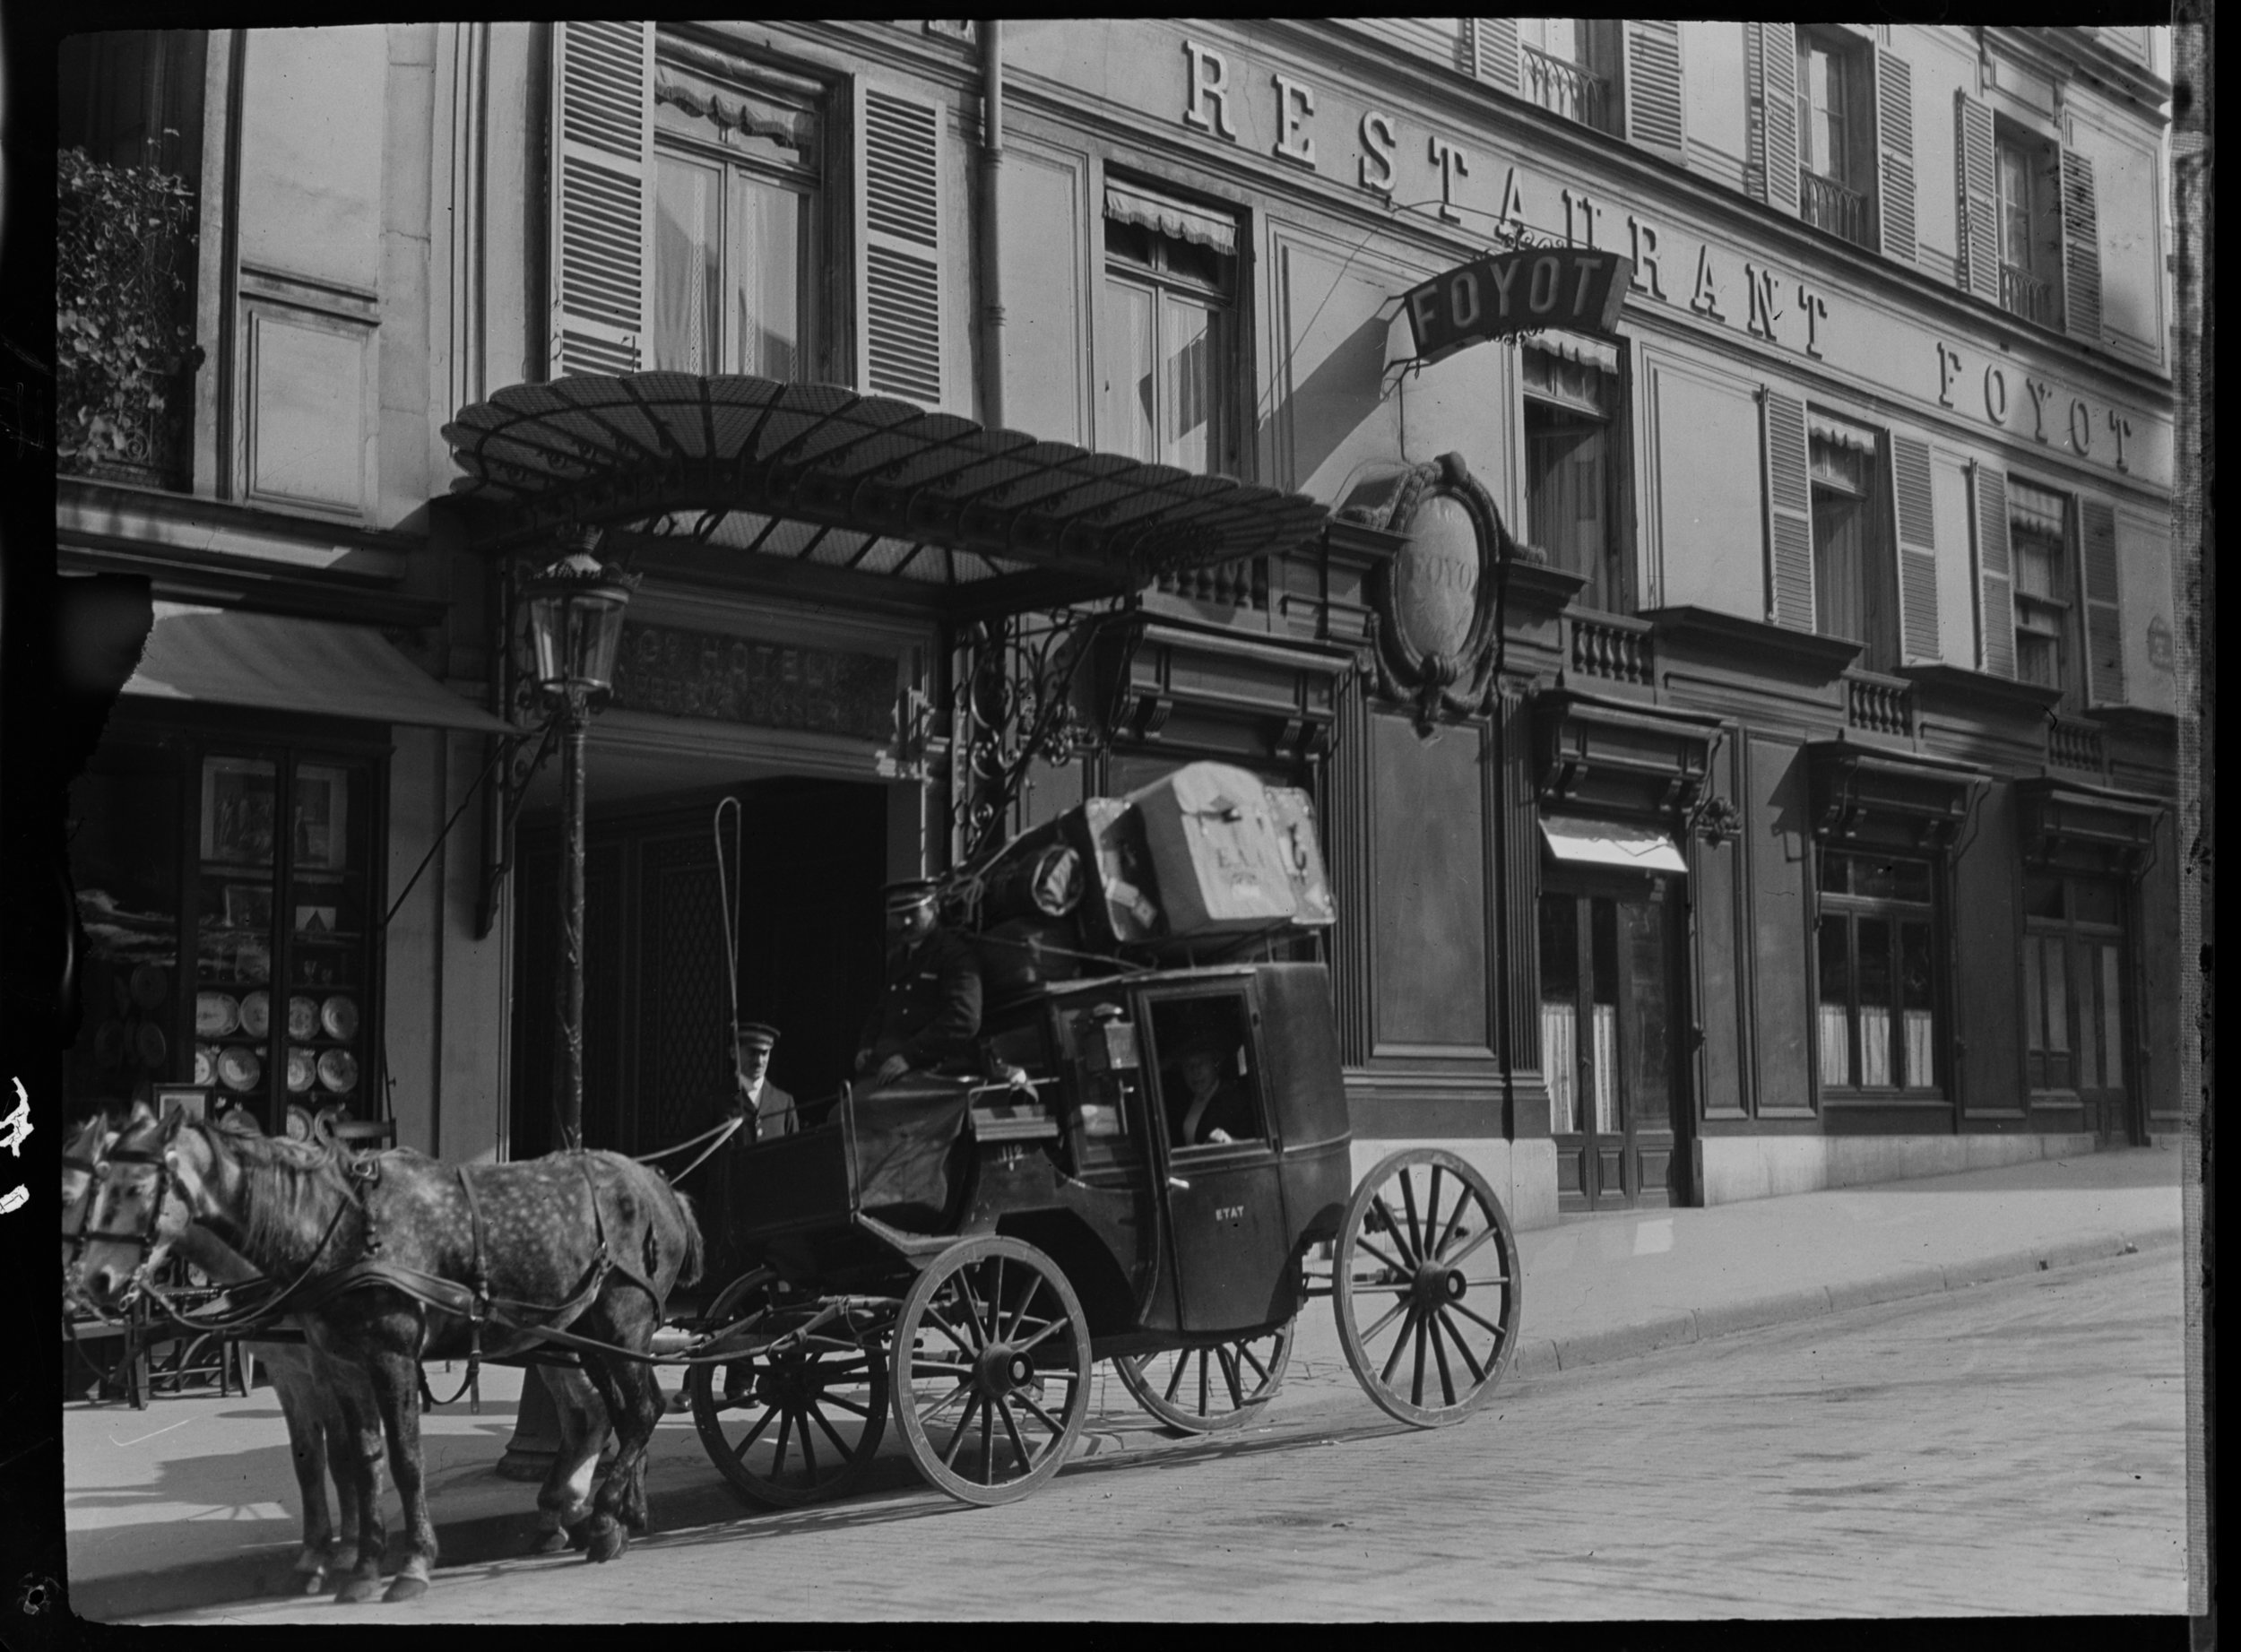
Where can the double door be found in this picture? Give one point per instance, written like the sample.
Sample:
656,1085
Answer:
1611,1005
2075,1015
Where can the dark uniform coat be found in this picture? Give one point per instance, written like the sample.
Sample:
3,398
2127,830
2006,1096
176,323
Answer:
1228,1109
774,1114
929,1011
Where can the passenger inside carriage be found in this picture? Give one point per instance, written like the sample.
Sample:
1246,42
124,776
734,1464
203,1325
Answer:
1206,1081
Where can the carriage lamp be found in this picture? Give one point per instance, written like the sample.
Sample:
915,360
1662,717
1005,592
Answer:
575,619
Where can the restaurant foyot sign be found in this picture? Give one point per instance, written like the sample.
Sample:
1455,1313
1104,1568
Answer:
1575,288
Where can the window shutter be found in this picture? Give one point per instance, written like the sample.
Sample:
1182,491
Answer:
1917,548
2080,250
600,255
1652,87
898,244
2104,618
1494,50
1771,146
1976,197
1789,511
1894,156
1996,591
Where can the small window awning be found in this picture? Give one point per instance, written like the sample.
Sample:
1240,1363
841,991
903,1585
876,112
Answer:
856,485
1841,432
1133,204
1600,355
278,663
1604,842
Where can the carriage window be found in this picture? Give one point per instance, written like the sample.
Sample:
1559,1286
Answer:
1207,1080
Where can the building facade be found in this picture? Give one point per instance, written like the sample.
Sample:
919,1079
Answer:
1793,805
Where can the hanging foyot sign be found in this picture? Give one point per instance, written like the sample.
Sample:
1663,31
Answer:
1575,288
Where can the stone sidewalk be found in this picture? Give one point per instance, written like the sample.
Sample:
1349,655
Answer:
192,1501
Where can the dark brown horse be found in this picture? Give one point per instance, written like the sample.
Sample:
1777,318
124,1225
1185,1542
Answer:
386,1257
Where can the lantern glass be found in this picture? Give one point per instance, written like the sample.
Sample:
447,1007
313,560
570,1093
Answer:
575,634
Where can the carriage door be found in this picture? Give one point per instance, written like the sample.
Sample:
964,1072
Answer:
1224,1202
1609,994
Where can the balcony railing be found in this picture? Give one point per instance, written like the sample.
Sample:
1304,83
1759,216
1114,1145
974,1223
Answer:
1879,705
2023,294
1827,205
1242,584
2073,744
1616,650
1567,90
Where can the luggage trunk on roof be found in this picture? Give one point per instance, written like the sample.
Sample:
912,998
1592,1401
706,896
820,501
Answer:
1214,849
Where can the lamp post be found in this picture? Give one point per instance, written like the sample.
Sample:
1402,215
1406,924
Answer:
574,623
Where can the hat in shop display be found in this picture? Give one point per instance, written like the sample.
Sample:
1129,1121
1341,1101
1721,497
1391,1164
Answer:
909,894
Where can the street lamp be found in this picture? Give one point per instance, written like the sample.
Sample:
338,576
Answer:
575,623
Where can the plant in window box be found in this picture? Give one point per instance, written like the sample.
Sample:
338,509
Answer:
124,346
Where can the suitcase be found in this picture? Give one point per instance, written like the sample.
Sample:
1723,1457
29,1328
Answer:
1215,854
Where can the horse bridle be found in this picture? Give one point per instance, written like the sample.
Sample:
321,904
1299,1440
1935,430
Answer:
76,1236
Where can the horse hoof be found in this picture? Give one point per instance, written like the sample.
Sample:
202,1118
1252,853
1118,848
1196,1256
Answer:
312,1582
357,1590
607,1544
550,1542
406,1586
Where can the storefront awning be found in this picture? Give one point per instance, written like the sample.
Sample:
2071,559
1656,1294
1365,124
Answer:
224,657
1167,216
1602,843
826,477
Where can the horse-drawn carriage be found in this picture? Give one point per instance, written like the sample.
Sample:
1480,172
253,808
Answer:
954,1255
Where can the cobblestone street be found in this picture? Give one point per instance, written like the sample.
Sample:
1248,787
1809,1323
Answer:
2014,1448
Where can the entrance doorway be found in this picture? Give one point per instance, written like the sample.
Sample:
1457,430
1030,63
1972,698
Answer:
1610,991
2074,1001
656,1061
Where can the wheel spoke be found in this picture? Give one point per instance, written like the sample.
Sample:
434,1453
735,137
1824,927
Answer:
944,1368
1431,1211
1392,1226
987,1440
1417,1388
1390,1314
1439,1353
1499,1333
809,1447
1400,1346
972,1314
1408,1201
1054,1425
1011,1430
839,1445
844,1403
1478,1374
1393,1263
941,1323
1182,1364
1246,1354
942,1404
1042,1336
995,1301
785,1427
1463,1203
1019,1314
1477,1239
956,1438
1229,1375
740,1450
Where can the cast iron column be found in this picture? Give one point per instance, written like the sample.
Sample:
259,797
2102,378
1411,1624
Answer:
574,718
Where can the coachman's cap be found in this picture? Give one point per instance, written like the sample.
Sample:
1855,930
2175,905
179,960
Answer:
757,1035
909,894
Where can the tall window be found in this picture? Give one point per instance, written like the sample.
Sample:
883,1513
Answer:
2038,537
737,201
1168,342
1852,568
1571,67
2074,997
1879,1014
1832,127
2024,177
1572,398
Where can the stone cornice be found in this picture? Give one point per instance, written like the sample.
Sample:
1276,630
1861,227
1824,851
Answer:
1827,655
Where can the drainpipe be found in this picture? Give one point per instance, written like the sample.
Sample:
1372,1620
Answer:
990,340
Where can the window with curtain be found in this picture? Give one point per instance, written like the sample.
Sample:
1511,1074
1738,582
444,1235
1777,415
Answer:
2025,168
2038,539
1835,164
1854,571
1168,345
1572,402
737,201
1879,1020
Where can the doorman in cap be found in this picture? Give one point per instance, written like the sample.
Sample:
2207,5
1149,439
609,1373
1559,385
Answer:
930,1012
768,1109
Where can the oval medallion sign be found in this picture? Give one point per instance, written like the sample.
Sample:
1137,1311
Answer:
1435,578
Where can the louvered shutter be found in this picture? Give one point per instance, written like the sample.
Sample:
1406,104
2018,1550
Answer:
2104,616
1995,590
1770,145
1976,197
2080,250
1789,511
1652,87
898,241
600,214
1494,50
1894,156
1917,535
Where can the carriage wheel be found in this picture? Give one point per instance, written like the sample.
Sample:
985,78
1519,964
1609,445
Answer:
1209,1390
1425,1283
801,1420
997,1353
